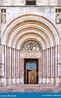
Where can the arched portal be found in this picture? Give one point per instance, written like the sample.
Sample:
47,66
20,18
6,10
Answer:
33,48
39,37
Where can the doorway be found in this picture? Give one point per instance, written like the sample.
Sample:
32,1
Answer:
31,71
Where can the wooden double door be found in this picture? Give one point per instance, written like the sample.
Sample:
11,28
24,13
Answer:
31,71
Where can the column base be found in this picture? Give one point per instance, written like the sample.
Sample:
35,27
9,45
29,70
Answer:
13,81
48,80
3,81
9,80
57,82
40,81
17,80
52,80
21,80
44,80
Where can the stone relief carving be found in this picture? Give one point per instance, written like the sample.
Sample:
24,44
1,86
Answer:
31,45
58,16
3,15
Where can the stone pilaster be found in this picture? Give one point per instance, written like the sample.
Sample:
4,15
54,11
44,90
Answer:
40,71
59,65
1,65
22,70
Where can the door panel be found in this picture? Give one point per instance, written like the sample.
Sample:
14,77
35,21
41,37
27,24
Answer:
29,77
31,71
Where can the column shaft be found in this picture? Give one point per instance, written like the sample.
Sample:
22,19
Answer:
14,66
51,62
47,65
5,59
56,66
5,64
43,67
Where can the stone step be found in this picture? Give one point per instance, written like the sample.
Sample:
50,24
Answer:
30,88
28,85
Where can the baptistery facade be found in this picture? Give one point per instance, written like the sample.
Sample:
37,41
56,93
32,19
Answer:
30,43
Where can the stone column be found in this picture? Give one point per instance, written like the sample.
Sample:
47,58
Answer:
53,63
18,66
46,64
47,67
56,66
5,50
7,65
10,66
14,64
43,68
51,66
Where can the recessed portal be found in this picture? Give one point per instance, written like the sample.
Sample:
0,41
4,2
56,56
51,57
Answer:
31,71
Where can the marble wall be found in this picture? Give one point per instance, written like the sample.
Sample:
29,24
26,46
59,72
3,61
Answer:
23,2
